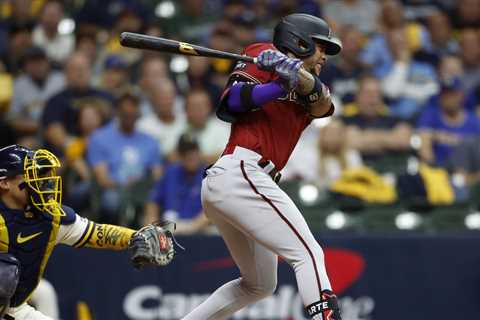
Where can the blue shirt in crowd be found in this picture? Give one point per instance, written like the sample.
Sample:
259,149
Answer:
446,136
179,191
128,157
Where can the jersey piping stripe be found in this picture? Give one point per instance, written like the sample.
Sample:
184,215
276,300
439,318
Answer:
246,75
94,226
4,241
85,236
285,220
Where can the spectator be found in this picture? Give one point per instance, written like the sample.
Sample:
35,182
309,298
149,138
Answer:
122,160
446,126
59,118
470,54
342,75
86,43
464,161
31,90
369,127
7,133
58,46
6,94
407,83
362,15
164,124
152,70
467,14
177,194
130,16
19,40
451,67
245,30
336,155
377,53
115,76
211,134
92,114
199,77
221,39
192,19
441,35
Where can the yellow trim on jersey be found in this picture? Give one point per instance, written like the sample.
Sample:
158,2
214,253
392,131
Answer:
86,235
51,244
52,240
4,241
107,236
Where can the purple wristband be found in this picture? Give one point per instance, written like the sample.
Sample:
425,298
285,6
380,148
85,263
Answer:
260,94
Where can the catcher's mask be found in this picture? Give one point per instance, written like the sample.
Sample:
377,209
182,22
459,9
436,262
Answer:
43,184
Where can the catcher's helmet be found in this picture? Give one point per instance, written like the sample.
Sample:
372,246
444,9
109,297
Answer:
39,170
11,160
298,32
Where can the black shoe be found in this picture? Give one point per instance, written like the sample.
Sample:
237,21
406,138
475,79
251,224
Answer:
327,307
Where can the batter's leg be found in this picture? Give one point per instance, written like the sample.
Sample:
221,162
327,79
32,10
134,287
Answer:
258,268
262,210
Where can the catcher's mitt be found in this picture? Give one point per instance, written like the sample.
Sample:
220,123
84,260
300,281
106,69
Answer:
152,245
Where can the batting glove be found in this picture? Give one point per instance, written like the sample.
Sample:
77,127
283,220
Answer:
288,70
269,59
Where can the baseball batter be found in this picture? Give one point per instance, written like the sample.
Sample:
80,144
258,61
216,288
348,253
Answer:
269,104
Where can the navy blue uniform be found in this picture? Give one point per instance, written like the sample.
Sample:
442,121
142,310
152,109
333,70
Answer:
30,236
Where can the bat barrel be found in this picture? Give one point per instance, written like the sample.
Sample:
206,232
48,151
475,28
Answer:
142,41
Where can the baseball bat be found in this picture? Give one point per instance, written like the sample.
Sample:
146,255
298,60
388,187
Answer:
142,41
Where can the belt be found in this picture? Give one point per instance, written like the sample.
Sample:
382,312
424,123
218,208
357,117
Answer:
267,166
270,169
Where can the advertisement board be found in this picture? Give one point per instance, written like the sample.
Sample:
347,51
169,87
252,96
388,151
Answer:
376,278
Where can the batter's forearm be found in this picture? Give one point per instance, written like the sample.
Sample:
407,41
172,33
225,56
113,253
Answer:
107,236
306,82
315,93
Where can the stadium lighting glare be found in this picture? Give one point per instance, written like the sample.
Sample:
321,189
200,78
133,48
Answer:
179,64
308,193
165,9
407,220
66,26
472,220
336,220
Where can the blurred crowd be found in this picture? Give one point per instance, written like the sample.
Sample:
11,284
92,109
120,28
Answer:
136,128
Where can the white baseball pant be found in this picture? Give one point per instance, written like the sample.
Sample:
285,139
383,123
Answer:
26,312
258,222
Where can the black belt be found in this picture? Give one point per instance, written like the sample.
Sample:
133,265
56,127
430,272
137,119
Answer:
273,173
7,317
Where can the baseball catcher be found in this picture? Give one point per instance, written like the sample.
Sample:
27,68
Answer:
33,221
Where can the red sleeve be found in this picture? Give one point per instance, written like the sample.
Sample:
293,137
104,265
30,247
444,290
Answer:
245,72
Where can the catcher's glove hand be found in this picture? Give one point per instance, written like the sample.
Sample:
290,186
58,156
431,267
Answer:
152,245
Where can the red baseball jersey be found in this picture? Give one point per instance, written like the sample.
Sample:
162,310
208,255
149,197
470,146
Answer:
273,130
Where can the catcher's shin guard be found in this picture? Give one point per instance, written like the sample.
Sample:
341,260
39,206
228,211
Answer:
325,309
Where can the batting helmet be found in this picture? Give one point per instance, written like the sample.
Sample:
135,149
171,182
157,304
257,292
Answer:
297,33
